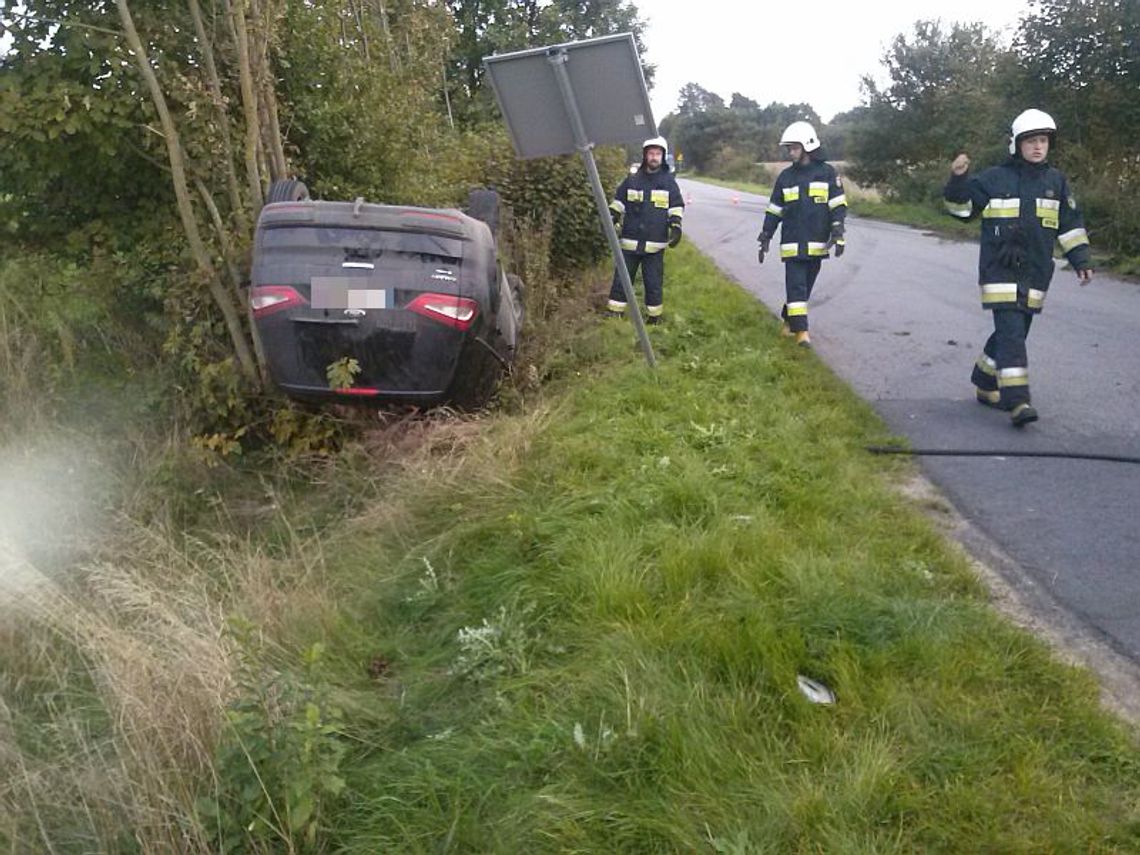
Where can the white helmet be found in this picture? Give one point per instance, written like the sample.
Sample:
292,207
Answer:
802,133
1028,123
656,141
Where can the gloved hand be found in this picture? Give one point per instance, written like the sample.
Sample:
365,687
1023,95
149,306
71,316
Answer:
765,243
837,240
674,235
1012,250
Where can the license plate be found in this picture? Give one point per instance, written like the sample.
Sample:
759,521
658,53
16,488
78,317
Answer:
334,293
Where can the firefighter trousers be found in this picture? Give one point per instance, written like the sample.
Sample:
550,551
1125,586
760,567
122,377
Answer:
652,266
1001,373
799,279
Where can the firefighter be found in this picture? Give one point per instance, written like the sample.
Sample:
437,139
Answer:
1025,207
809,206
649,208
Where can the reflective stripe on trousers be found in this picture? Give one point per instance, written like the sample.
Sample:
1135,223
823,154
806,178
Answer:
799,279
652,272
1004,364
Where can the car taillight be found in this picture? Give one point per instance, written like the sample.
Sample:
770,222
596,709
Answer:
458,312
267,299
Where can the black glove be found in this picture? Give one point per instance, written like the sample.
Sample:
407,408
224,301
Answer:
674,235
836,240
1012,250
615,216
765,242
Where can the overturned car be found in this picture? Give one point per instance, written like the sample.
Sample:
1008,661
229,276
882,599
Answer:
416,297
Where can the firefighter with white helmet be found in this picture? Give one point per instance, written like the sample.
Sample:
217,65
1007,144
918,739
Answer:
649,209
1026,206
809,207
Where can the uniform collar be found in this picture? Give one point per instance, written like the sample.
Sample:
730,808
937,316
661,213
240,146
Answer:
1030,168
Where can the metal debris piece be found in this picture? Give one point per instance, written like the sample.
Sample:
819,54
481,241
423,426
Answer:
815,692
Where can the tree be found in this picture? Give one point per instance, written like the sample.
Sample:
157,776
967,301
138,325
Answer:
694,99
944,96
1080,59
740,102
485,27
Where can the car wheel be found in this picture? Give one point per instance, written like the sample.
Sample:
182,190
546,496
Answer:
287,190
483,204
475,380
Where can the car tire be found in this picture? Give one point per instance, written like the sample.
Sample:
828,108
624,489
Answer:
287,190
483,204
476,378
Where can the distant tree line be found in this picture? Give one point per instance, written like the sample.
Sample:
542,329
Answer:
729,140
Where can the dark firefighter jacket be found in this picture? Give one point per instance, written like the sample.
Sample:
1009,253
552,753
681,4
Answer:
809,205
1024,207
648,203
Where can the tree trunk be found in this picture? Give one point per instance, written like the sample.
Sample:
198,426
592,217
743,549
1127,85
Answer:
223,118
182,194
236,12
358,17
266,89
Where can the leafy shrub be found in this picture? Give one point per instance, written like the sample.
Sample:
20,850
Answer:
278,766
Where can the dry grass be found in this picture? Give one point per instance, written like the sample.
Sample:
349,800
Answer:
136,643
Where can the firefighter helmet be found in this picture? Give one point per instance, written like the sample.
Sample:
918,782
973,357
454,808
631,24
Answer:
1029,123
802,133
656,141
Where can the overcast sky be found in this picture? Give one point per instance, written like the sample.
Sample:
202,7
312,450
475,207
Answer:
813,52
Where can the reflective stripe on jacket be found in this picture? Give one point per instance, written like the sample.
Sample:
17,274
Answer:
808,205
1024,208
649,203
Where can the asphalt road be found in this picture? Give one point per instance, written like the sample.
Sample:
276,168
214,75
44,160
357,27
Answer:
899,318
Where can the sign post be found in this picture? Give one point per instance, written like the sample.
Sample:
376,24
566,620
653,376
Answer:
540,102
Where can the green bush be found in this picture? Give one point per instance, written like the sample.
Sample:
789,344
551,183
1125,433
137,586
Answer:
554,191
734,164
279,761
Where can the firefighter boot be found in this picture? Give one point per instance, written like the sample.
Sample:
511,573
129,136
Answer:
785,330
803,339
1022,414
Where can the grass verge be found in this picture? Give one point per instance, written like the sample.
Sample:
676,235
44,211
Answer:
913,214
578,625
743,186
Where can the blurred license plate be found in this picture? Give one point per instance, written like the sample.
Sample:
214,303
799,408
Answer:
333,293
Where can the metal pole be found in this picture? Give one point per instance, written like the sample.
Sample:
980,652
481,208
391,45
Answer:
586,148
